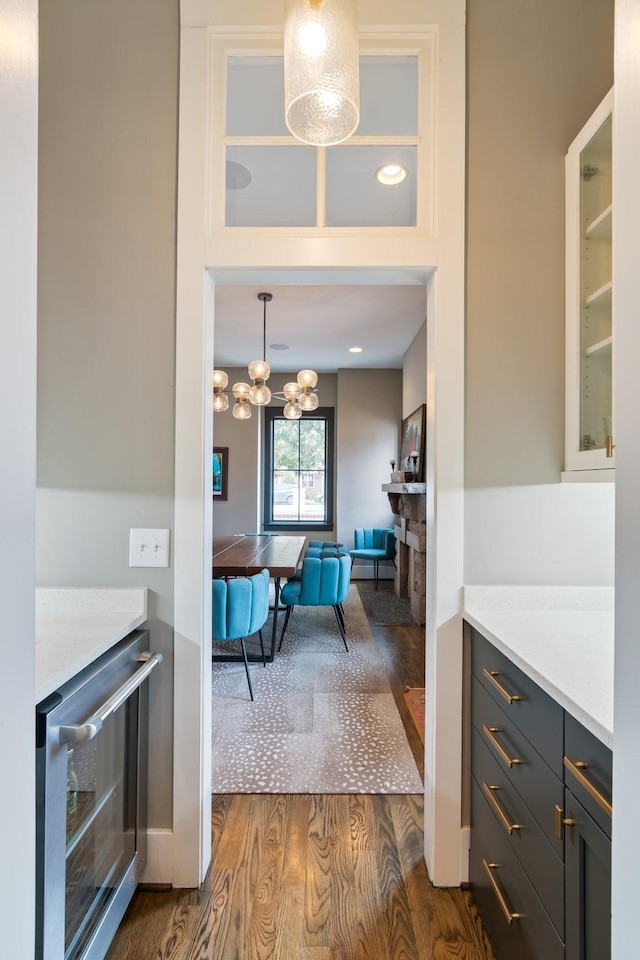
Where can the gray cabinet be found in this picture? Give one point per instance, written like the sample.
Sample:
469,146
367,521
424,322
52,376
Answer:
587,818
540,789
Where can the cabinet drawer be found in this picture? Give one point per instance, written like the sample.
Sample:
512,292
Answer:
591,782
540,862
529,936
535,713
534,780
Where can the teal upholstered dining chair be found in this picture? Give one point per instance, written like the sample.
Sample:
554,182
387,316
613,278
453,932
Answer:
324,582
376,544
240,608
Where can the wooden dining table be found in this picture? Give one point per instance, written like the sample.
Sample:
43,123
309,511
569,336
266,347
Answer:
243,556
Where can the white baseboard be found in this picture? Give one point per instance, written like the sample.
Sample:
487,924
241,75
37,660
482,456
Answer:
465,847
159,866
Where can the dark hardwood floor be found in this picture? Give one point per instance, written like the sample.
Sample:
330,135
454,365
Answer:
303,877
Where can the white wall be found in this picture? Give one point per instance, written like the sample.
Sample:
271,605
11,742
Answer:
556,533
518,133
367,430
18,197
626,199
106,311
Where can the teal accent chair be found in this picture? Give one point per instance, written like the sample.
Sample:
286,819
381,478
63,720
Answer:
240,609
324,582
376,544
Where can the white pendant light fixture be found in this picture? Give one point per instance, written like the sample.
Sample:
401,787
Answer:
299,394
321,70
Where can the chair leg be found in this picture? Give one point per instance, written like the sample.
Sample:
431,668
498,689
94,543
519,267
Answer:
375,566
341,615
246,666
340,627
264,661
284,627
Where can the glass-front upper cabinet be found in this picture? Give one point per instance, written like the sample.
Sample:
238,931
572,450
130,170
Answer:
589,330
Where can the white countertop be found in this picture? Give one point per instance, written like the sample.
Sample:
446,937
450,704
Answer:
561,637
74,627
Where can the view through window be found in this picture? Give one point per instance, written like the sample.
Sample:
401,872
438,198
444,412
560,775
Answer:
299,469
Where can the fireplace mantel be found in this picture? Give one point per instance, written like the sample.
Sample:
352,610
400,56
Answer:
408,487
408,503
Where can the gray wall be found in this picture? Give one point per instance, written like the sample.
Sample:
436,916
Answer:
414,373
535,74
536,71
367,432
106,292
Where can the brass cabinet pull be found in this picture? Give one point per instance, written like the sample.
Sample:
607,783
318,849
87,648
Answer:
491,675
610,445
562,822
499,809
490,734
509,915
576,767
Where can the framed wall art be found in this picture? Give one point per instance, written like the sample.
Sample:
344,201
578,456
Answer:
220,472
412,441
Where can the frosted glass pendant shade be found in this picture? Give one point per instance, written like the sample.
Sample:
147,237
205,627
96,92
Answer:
291,391
242,410
220,399
220,402
259,395
259,370
321,78
307,378
292,411
309,401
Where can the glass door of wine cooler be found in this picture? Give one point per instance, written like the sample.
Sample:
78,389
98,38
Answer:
91,782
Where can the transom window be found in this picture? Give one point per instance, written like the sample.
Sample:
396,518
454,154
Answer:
272,180
298,470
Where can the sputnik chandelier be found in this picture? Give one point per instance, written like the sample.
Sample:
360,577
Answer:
299,393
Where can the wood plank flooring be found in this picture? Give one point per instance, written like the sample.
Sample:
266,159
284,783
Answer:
302,877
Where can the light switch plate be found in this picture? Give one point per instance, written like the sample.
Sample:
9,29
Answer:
148,548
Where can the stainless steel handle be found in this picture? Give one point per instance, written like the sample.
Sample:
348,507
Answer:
77,732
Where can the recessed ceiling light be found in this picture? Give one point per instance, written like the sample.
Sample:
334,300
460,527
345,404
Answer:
391,173
278,346
355,349
238,176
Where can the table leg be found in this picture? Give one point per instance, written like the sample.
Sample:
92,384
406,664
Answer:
276,601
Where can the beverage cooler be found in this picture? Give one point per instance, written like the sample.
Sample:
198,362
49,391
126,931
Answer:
91,774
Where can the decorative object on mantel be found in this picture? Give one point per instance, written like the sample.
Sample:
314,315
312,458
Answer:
412,443
298,393
401,476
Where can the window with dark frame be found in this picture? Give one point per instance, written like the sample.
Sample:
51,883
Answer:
298,470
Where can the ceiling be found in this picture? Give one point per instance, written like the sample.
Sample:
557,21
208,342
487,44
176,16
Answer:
319,324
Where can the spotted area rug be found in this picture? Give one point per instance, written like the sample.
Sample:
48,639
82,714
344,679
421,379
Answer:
323,720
